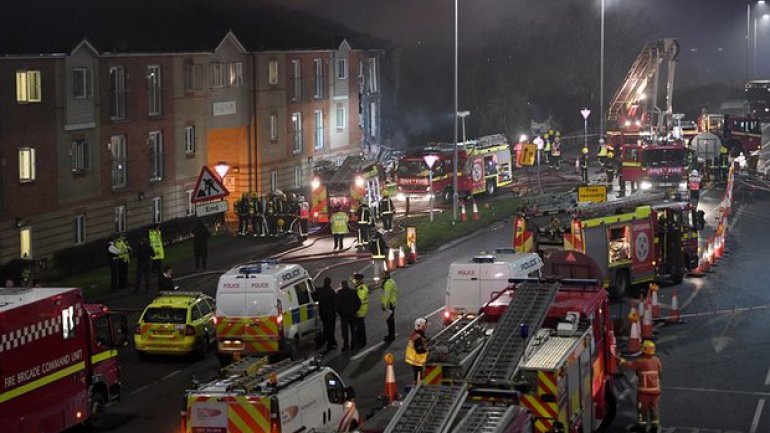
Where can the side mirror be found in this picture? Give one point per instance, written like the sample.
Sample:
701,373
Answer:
350,393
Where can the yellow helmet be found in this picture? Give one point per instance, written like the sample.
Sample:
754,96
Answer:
610,155
648,347
585,150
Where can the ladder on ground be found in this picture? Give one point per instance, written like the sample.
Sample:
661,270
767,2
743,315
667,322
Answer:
428,409
457,340
499,359
608,208
487,418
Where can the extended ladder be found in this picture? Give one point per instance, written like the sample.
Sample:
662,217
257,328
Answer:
499,359
487,418
607,208
457,340
428,409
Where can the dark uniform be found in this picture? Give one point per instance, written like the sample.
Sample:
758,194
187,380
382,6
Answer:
346,305
364,216
326,297
386,212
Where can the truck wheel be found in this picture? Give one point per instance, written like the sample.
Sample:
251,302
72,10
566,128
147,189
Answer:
621,284
446,195
491,188
98,401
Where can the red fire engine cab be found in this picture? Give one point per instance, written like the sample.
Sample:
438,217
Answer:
58,360
738,134
345,187
654,164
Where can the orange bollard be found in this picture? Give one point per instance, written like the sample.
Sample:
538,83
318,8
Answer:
401,258
654,296
634,343
476,215
391,259
647,330
391,389
676,315
463,215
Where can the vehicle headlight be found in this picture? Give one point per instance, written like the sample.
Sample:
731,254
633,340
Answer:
645,185
400,196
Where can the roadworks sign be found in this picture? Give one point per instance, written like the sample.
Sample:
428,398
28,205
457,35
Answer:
592,194
208,187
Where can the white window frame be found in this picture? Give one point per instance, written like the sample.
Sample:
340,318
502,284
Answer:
82,86
217,75
120,214
117,92
27,164
157,210
373,75
28,86
25,242
318,78
297,176
318,121
193,74
273,127
272,72
296,128
373,119
360,68
154,90
155,148
341,120
79,226
118,151
80,155
189,139
190,204
235,74
341,66
273,180
296,82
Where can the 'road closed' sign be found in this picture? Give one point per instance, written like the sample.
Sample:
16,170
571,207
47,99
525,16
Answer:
592,194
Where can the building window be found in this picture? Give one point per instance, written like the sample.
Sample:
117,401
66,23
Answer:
272,72
273,127
217,75
372,75
190,204
297,176
296,80
154,84
120,218
25,242
273,180
28,86
318,78
193,77
235,74
373,119
319,129
157,210
155,143
80,155
342,68
80,229
340,116
118,154
81,83
361,69
117,93
189,139
296,125
26,164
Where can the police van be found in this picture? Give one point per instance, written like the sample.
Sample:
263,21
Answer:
473,280
264,307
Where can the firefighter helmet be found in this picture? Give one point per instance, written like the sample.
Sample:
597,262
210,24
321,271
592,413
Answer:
585,150
694,173
610,155
648,347
420,323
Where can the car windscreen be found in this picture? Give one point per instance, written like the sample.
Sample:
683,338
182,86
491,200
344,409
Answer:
165,315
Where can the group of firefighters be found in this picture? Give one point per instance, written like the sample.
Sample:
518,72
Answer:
272,214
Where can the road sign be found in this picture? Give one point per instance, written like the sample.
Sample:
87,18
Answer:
208,187
592,194
585,112
430,160
211,208
528,153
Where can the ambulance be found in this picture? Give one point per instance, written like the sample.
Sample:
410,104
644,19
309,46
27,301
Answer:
264,308
473,281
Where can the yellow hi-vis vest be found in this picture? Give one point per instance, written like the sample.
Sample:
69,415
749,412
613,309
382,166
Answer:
124,252
363,295
412,357
389,294
156,243
339,223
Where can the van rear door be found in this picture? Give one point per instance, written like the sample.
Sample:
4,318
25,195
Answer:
462,295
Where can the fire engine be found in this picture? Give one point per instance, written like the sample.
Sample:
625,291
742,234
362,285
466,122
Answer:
483,166
345,187
538,358
738,134
654,164
58,360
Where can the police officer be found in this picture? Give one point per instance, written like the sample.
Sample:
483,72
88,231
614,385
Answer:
388,301
693,185
547,147
124,257
346,304
339,222
723,162
417,348
364,216
362,290
113,253
648,372
601,155
583,164
386,212
158,253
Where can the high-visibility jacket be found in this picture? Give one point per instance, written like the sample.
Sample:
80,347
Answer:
723,149
124,251
362,290
156,243
648,370
378,247
389,297
602,150
364,215
694,183
547,146
416,349
386,206
339,223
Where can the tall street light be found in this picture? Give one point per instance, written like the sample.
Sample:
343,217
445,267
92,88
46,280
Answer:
462,115
454,176
765,17
601,80
748,34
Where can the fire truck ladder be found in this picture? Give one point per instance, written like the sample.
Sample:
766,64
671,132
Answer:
499,359
487,418
457,340
607,208
428,409
643,68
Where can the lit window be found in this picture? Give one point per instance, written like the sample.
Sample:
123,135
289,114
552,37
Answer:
28,86
318,78
155,143
297,176
273,127
189,139
80,154
157,210
373,119
81,83
26,164
217,75
190,204
80,229
118,155
117,93
25,242
235,74
273,180
296,124
154,85
272,72
296,80
340,116
342,68
319,129
120,218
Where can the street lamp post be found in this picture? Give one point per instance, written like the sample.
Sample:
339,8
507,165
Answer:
748,37
765,17
585,112
462,115
601,79
454,176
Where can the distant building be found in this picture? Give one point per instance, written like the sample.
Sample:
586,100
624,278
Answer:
107,131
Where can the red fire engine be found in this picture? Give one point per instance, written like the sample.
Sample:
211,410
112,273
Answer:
483,166
653,164
738,134
58,360
345,187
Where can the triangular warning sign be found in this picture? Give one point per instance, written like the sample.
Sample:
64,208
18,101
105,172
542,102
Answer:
571,258
208,187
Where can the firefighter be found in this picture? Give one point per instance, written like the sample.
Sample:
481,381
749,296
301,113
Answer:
556,152
648,372
693,185
388,301
518,148
124,258
364,216
601,155
609,168
583,164
547,147
279,207
417,348
303,215
362,290
386,212
271,216
339,222
723,162
379,249
242,210
255,214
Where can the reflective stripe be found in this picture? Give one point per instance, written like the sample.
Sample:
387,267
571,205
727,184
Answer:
43,381
107,354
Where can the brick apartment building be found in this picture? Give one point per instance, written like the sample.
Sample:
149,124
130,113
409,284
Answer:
107,132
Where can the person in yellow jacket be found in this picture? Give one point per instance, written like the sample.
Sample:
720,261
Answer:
388,301
417,349
362,290
339,221
124,257
158,254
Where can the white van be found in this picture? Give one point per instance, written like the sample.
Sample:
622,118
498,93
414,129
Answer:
473,280
264,308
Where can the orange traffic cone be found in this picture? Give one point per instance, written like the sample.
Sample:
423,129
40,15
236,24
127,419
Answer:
704,262
391,389
654,297
647,331
463,215
676,315
712,257
391,259
476,215
413,253
634,343
401,258
612,364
